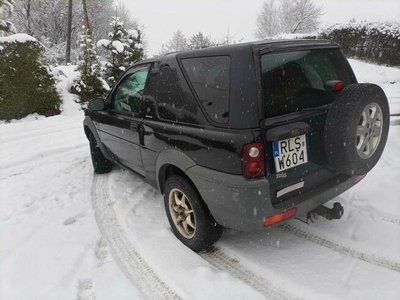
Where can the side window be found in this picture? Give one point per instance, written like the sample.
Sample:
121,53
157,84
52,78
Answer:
210,78
128,95
169,100
151,93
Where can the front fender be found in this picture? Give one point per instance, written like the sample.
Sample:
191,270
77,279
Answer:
89,127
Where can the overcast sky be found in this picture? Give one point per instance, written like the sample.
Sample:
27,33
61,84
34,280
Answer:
161,18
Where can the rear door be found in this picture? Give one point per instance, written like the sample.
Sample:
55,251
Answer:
121,124
297,95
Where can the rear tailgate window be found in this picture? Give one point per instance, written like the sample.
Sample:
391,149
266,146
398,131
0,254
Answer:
295,80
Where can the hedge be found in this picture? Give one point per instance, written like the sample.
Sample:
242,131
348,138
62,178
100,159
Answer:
26,83
371,41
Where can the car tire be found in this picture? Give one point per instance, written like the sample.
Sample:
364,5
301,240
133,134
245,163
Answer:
101,164
188,215
356,129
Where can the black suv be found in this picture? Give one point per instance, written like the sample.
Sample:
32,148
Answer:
242,136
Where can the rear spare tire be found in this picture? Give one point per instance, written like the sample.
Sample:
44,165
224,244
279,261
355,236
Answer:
356,129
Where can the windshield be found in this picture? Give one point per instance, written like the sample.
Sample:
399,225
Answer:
294,80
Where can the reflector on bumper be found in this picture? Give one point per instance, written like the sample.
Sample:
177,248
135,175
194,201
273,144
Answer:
280,217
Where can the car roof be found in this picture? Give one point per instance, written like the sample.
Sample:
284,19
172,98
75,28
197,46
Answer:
262,46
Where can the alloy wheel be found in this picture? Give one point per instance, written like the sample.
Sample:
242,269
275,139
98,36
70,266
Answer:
369,130
182,213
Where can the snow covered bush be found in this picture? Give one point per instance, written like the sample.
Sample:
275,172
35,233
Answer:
26,83
89,84
123,47
378,42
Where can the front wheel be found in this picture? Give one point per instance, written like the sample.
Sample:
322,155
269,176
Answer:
101,164
189,217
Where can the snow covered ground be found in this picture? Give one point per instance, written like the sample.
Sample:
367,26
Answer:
388,78
66,233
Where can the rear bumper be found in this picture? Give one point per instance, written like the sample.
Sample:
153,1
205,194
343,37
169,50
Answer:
242,204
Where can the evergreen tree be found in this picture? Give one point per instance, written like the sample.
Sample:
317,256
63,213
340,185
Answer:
89,84
177,42
124,48
6,27
199,41
136,50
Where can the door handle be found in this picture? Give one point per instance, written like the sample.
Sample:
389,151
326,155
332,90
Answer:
141,131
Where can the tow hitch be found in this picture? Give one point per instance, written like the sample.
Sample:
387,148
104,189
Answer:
336,212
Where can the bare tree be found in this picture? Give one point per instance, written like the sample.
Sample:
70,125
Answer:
99,14
268,23
6,27
228,39
287,16
23,11
125,15
69,33
85,13
300,16
47,20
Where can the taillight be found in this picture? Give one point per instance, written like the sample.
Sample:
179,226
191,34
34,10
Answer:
338,86
253,160
280,217
335,85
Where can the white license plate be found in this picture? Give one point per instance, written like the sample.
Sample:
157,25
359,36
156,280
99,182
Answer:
290,153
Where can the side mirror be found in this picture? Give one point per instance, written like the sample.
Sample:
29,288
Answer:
149,106
96,104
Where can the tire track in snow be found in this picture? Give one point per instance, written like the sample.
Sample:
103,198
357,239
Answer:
129,260
44,132
44,155
382,215
72,168
141,274
29,133
223,262
395,221
370,258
